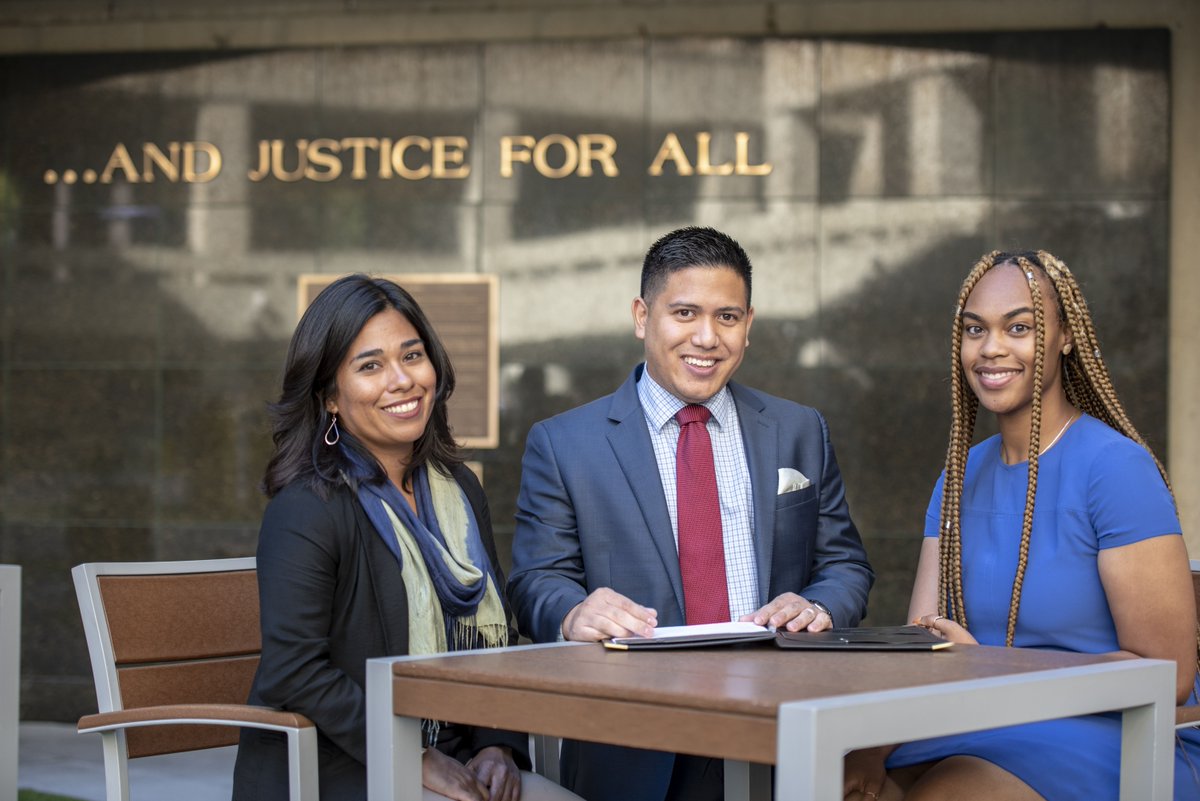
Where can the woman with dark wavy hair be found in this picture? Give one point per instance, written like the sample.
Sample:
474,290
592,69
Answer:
377,541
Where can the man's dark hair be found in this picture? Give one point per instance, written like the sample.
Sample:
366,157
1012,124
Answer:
692,247
322,338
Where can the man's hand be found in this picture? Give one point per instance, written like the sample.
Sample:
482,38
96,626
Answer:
448,776
494,767
791,611
606,613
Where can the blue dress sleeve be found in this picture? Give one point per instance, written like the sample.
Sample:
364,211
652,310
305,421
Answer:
1128,501
933,515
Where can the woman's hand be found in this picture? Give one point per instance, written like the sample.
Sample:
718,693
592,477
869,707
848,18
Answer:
865,777
446,775
494,768
947,629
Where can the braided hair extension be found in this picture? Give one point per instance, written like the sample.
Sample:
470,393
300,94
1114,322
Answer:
964,406
1085,376
1035,444
1086,383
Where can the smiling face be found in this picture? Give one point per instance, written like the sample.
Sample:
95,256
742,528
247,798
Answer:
386,386
999,338
695,331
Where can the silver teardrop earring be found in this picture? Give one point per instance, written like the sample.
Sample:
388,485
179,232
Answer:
1066,349
332,435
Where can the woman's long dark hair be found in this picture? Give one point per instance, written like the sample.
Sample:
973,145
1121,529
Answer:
299,419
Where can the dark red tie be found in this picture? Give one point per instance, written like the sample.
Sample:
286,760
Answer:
701,548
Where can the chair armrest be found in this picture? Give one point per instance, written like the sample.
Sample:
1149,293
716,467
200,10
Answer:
1187,716
256,717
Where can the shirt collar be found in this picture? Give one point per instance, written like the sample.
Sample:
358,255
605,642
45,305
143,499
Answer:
660,406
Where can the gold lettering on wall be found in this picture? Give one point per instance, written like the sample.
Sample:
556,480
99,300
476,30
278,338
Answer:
178,161
601,148
168,165
323,162
357,145
743,165
570,156
398,163
450,150
411,158
514,148
672,150
558,155
211,154
119,160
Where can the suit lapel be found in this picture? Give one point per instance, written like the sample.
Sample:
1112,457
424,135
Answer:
391,596
760,434
633,450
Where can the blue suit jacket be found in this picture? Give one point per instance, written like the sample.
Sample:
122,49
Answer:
591,513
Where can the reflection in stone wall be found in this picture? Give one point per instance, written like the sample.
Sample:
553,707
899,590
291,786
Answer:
143,323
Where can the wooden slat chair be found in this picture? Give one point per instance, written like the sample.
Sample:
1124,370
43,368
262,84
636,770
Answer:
1187,716
174,647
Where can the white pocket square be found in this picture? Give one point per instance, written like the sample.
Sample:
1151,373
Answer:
791,480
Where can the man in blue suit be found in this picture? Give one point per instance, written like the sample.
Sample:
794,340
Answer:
596,552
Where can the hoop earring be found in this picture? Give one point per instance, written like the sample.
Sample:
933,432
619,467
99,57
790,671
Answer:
332,435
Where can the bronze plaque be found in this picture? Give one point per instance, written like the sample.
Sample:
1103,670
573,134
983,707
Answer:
464,311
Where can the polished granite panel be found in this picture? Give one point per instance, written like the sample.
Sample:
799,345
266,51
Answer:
893,557
4,468
222,319
398,233
80,445
567,89
183,542
290,78
421,80
905,117
890,274
56,673
59,97
568,289
1082,113
569,99
706,92
111,222
215,443
62,303
432,93
889,428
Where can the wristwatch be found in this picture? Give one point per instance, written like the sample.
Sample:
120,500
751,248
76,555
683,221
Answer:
820,607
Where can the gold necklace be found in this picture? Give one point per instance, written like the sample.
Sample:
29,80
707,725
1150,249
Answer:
1070,420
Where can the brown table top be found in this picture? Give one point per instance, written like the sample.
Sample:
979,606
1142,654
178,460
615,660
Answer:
720,701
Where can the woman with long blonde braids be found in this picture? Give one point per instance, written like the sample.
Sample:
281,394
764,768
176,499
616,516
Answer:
1060,532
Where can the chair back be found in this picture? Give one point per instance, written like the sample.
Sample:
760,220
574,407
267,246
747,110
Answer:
171,633
1195,564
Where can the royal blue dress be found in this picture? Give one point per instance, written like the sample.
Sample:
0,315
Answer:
1097,489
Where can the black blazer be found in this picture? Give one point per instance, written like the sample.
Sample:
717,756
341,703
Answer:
331,596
